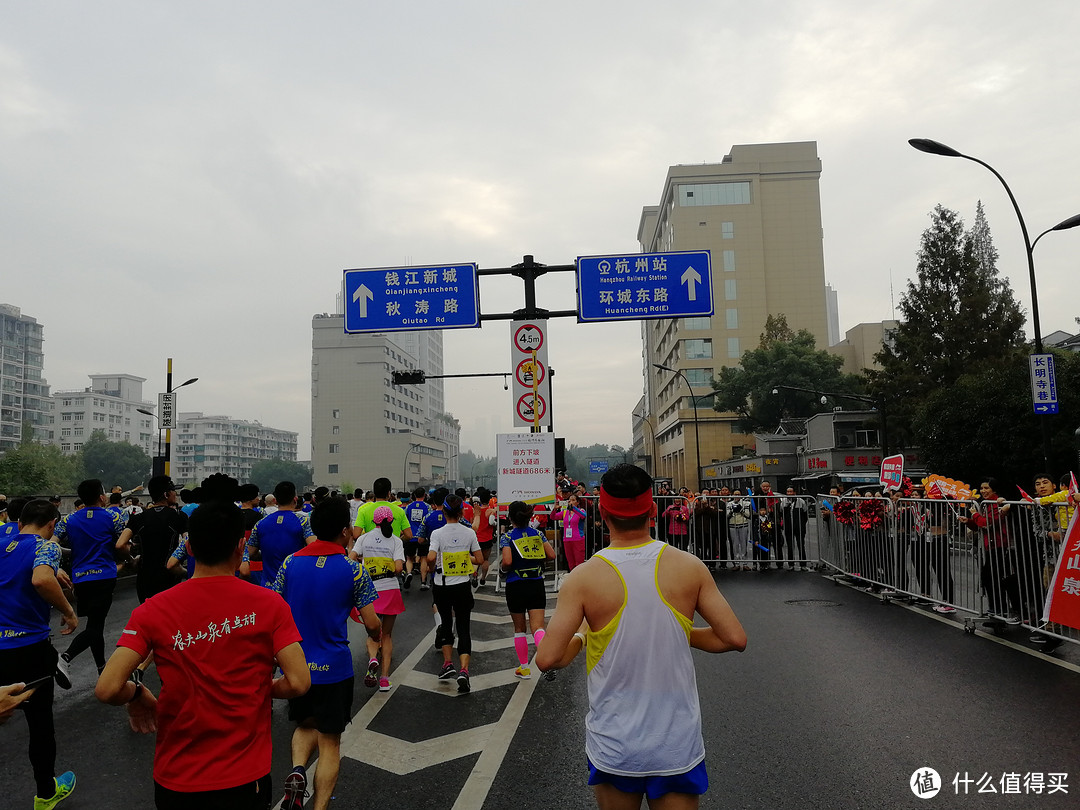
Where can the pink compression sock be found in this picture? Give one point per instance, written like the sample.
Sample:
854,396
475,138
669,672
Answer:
538,636
521,646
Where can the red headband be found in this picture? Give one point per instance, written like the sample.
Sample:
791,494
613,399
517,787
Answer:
626,507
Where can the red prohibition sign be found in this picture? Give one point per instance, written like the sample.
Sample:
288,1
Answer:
524,372
525,407
529,338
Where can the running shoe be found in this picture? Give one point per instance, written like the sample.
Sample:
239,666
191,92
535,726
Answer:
424,586
944,609
295,790
447,672
524,673
371,676
65,784
62,674
475,582
463,681
551,675
408,581
384,684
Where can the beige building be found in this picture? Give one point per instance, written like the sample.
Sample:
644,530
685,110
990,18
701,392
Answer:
363,426
861,343
205,444
759,213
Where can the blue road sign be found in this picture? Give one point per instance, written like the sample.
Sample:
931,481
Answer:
1044,398
402,299
598,466
636,286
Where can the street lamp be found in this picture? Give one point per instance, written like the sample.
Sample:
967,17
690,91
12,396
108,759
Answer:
697,433
652,444
878,406
405,467
936,148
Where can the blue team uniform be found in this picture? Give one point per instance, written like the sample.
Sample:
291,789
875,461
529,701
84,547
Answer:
9,529
24,614
417,512
322,585
92,534
277,536
436,520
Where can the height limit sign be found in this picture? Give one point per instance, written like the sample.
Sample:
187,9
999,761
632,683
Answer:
529,359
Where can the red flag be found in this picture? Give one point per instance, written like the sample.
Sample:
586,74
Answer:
934,491
1074,490
1063,598
1025,496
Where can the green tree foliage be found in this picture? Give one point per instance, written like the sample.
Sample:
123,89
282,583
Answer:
115,463
957,317
37,469
578,458
783,357
983,424
268,473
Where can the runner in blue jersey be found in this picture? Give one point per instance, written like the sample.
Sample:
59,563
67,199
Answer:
322,586
28,587
280,534
11,528
524,551
416,511
91,532
435,520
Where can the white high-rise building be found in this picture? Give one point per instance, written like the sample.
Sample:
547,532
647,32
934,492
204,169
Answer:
205,444
24,393
363,426
832,311
110,404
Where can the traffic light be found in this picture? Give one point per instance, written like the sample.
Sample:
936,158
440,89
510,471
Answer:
417,377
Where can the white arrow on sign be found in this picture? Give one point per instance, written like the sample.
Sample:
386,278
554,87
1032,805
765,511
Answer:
691,278
1042,408
363,295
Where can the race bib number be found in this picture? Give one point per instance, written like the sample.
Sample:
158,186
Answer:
457,563
379,566
530,547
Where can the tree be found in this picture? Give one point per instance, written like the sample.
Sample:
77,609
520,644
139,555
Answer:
782,358
115,463
33,468
983,424
958,315
268,473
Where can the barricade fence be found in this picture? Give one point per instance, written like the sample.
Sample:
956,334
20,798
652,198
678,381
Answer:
992,561
723,531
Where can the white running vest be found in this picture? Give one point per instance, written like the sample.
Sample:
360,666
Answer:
644,717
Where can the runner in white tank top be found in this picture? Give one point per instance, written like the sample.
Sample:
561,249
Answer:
632,607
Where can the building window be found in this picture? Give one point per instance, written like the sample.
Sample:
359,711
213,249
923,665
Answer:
733,348
699,376
335,430
336,413
332,469
697,323
732,318
727,230
737,193
729,261
65,417
335,448
730,293
697,349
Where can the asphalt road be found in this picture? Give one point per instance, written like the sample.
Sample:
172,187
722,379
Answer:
838,700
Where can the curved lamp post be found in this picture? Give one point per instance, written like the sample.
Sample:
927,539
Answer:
937,148
697,432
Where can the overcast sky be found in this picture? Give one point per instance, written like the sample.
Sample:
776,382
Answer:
189,179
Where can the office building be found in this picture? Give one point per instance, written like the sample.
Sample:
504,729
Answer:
832,311
205,444
24,394
862,343
111,404
759,213
363,426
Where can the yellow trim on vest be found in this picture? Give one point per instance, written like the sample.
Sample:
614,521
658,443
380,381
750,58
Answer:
685,623
596,641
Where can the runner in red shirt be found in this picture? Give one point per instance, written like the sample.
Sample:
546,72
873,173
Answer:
215,639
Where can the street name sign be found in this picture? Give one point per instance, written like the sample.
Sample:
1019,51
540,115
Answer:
638,286
1044,397
403,299
166,404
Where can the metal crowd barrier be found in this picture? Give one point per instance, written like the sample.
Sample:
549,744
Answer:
990,561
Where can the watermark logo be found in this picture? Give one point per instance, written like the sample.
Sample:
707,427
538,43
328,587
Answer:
925,783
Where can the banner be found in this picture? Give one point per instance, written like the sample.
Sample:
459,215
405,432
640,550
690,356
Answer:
892,472
1063,598
526,467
